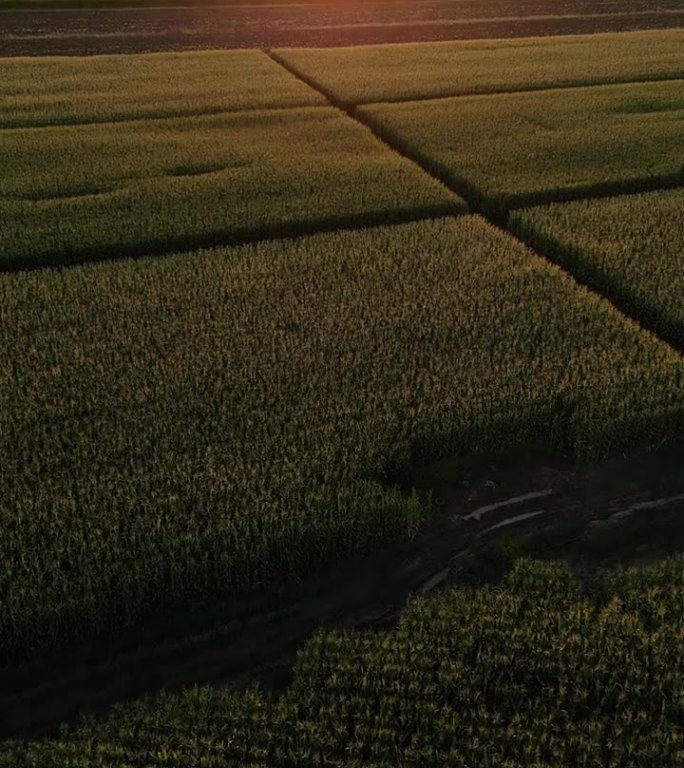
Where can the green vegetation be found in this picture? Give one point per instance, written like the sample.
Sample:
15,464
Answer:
97,191
375,73
204,426
41,91
629,247
526,148
533,673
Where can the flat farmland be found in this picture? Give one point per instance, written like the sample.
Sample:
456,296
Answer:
41,91
290,337
196,426
519,149
632,247
76,193
365,74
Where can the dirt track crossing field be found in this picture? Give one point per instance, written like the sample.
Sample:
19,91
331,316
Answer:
85,31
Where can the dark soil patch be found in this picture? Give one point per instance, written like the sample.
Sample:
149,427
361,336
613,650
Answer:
87,31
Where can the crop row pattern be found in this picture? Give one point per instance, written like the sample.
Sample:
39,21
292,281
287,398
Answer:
97,191
510,150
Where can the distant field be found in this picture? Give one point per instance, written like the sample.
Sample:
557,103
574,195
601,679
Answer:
416,71
515,149
97,27
194,427
41,91
631,247
82,192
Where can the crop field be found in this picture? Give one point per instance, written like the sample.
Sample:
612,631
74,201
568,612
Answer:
167,438
364,74
41,91
75,193
245,299
511,150
531,673
605,242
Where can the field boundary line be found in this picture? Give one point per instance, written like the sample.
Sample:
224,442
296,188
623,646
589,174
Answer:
511,91
570,258
185,245
25,126
500,19
499,219
145,118
498,210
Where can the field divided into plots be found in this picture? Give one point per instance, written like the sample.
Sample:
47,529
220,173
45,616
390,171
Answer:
534,672
631,247
511,150
85,192
376,73
205,425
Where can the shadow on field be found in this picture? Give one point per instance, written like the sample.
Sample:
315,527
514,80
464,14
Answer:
186,244
621,512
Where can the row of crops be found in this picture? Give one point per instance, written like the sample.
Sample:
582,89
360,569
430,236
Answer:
40,91
535,673
207,425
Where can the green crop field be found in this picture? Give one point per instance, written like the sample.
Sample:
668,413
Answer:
632,247
515,149
82,192
199,425
40,91
369,285
373,73
532,673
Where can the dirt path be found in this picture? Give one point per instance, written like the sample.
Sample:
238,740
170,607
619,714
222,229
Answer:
135,30
369,593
